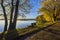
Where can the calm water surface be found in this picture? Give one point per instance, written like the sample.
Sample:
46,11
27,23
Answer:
20,24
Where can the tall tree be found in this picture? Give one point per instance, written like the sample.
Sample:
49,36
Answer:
11,15
16,14
13,24
14,8
19,5
5,16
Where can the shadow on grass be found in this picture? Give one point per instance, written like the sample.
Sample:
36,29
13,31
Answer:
56,32
23,37
11,35
1,36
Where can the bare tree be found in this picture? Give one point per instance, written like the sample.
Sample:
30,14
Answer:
23,6
5,16
11,15
15,7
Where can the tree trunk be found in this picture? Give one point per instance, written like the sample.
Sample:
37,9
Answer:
54,18
15,15
5,17
11,16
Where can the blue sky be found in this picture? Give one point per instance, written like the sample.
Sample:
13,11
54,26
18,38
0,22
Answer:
36,6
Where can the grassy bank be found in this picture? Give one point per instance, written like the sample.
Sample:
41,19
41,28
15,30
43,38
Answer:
20,32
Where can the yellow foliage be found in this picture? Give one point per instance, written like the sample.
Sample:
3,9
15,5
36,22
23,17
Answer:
47,17
39,20
42,19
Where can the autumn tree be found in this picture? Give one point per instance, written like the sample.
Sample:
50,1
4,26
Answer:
51,6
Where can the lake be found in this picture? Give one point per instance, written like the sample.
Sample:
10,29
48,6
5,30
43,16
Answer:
20,24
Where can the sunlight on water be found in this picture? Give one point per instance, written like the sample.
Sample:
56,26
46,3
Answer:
1,25
20,24
23,24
